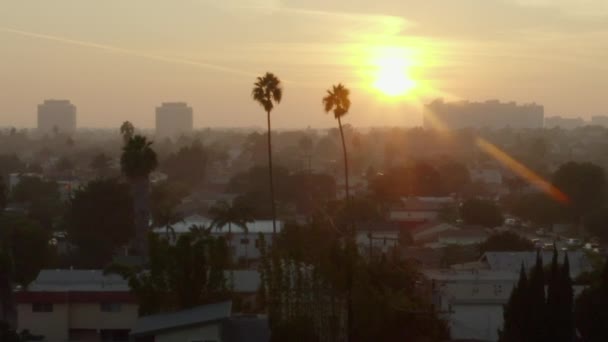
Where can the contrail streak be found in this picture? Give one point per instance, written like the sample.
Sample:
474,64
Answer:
131,52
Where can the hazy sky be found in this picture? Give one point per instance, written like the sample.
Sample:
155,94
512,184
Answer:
118,59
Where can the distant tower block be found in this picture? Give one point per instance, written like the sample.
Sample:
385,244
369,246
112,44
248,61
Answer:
56,116
490,114
173,119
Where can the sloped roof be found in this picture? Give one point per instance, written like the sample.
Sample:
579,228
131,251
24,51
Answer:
431,229
77,280
209,313
512,260
247,328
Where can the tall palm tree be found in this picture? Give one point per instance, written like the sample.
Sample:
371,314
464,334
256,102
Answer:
226,214
127,130
337,101
267,91
138,160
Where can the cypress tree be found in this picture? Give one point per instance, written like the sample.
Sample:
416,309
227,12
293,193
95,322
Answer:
535,327
565,307
515,312
554,290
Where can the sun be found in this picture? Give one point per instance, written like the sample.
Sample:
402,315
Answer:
392,75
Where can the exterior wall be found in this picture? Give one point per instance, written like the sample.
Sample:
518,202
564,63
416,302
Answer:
479,322
90,316
249,250
53,325
207,333
402,215
474,308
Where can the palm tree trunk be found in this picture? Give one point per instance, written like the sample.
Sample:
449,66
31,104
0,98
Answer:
274,224
349,304
345,162
141,197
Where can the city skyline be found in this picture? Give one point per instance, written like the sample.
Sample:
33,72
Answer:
115,69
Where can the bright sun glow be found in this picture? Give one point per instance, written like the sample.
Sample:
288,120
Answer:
392,75
392,78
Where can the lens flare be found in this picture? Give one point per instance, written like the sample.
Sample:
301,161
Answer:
521,170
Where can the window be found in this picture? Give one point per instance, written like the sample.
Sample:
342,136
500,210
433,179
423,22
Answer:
244,241
114,335
110,307
82,335
42,307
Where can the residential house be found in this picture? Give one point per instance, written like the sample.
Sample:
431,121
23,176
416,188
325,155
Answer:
415,211
472,298
380,236
463,237
69,305
512,261
431,231
206,323
243,245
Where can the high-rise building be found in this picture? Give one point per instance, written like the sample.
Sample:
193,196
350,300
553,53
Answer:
57,116
491,114
600,120
173,119
564,123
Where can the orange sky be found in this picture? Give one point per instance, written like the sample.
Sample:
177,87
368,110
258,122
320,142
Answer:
116,60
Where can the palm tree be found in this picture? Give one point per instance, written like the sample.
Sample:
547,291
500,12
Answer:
127,130
267,91
226,214
138,160
337,101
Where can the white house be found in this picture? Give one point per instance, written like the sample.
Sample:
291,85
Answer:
417,210
244,245
381,236
431,231
472,300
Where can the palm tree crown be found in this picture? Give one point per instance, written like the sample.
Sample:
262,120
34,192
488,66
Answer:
337,100
127,130
267,90
138,158
226,214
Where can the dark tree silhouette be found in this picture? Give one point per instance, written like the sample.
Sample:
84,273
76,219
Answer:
127,130
138,160
481,212
267,91
100,220
338,101
101,164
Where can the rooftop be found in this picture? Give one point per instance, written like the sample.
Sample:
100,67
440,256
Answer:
77,281
166,321
255,227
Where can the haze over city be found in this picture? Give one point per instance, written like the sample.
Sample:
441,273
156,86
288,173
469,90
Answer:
304,171
119,60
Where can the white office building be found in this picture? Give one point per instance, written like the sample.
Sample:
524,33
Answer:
173,119
56,116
